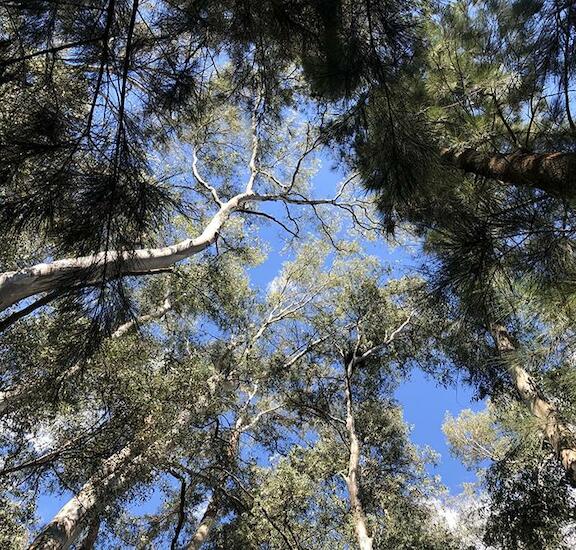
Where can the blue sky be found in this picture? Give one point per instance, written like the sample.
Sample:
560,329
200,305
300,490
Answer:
425,402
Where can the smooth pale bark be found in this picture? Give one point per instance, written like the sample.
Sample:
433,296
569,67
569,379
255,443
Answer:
558,434
359,517
47,277
554,173
158,313
67,525
208,520
12,395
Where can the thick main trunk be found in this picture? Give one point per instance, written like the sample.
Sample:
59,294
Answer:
359,517
558,434
554,173
203,530
67,525
47,277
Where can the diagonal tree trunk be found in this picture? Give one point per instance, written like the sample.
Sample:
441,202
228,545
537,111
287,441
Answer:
48,277
558,434
67,525
214,508
554,173
208,520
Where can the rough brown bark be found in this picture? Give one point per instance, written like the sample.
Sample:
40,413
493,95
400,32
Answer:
554,173
558,434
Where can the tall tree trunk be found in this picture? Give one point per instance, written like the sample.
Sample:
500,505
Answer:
554,173
208,520
67,525
213,509
359,517
558,434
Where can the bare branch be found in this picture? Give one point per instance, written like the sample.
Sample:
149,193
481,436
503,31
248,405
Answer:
389,339
202,181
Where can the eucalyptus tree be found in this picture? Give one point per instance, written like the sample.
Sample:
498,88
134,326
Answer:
143,406
128,405
527,500
104,85
278,385
348,474
124,399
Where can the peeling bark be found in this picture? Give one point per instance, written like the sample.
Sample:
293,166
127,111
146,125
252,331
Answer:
558,434
554,173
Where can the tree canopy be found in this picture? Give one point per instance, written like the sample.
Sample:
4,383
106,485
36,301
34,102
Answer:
196,312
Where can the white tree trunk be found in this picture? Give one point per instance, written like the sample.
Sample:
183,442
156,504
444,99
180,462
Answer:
46,277
559,435
359,517
67,525
208,520
213,509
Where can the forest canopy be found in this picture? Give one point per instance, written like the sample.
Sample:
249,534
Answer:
231,231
